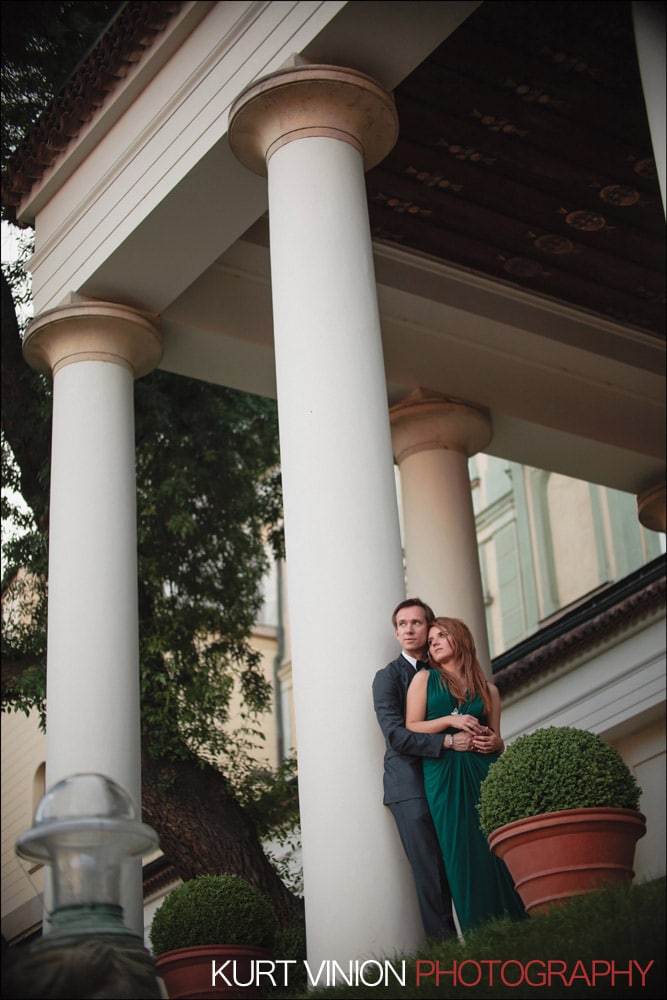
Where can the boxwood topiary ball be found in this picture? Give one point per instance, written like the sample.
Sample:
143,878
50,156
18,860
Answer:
559,767
213,909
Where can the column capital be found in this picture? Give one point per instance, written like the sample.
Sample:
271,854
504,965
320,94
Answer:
90,330
428,421
312,100
651,508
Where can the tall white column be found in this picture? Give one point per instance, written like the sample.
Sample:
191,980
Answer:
318,127
649,23
433,439
94,351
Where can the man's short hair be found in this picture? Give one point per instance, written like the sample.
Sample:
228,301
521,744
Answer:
412,602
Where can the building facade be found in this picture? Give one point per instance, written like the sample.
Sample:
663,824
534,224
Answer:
280,198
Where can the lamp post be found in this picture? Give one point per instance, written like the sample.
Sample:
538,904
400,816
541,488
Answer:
85,829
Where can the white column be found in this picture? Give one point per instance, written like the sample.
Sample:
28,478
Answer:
649,24
94,351
433,438
343,542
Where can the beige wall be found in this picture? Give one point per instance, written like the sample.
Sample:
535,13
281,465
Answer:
265,750
23,752
644,752
571,520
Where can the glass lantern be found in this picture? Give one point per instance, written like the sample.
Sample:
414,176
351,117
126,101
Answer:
85,829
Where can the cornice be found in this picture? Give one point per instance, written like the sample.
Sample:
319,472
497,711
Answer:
131,33
573,643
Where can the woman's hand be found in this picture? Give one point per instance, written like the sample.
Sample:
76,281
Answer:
467,723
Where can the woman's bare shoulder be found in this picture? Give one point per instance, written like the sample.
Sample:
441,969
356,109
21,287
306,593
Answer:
421,678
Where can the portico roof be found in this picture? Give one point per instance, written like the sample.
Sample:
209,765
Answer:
517,223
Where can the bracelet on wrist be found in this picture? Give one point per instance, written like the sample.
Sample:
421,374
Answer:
451,741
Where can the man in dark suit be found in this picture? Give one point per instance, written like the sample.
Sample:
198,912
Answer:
403,781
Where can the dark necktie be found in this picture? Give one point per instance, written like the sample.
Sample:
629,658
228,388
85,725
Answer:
423,665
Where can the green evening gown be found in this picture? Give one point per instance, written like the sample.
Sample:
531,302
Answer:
482,888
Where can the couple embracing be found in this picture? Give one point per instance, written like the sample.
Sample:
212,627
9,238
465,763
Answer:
441,721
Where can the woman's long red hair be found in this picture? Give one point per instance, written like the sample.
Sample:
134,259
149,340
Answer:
470,679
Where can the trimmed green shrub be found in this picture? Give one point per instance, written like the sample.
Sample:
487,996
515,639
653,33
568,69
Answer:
291,946
213,909
556,768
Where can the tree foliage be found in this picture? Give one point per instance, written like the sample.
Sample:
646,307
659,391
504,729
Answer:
208,491
209,511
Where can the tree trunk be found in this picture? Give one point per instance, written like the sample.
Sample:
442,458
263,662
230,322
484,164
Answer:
203,830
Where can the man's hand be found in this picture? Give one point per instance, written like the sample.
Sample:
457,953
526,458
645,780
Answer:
487,741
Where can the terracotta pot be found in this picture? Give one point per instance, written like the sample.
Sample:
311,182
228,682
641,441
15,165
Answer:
554,856
187,972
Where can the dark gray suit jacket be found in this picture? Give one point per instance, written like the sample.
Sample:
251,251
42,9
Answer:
402,760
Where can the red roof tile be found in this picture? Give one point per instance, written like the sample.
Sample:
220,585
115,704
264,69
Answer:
131,33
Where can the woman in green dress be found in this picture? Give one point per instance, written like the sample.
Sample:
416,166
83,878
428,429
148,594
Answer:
454,697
